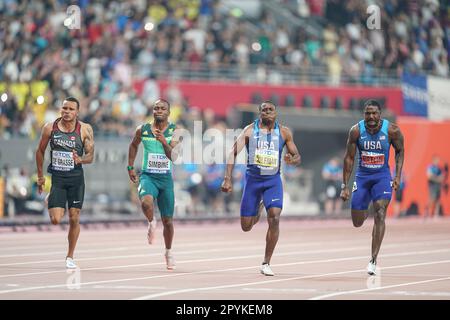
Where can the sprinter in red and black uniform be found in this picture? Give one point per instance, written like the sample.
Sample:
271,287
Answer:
71,146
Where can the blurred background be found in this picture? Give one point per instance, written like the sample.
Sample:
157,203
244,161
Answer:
215,61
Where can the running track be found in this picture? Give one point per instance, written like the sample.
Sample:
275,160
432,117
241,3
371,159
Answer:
313,260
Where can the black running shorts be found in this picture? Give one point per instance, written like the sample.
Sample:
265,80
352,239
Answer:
66,190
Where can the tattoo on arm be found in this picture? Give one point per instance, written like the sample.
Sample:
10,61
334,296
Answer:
88,145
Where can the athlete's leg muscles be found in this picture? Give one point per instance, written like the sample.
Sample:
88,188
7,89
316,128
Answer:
251,198
56,214
74,230
379,227
360,201
147,205
168,231
273,218
358,217
57,200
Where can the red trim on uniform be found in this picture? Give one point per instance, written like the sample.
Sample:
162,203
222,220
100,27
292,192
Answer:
55,125
78,128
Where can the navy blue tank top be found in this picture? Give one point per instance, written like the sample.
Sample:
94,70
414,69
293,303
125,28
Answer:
264,151
373,149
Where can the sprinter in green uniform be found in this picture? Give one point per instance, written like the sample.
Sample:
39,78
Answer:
155,183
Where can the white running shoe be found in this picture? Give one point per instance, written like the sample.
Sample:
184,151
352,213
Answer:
70,264
170,262
266,270
371,268
151,232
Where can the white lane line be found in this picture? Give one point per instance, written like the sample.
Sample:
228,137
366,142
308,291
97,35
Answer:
325,296
190,261
396,245
226,270
168,293
120,248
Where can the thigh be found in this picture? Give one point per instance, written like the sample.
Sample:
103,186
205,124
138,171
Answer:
75,192
382,188
361,196
273,193
251,197
147,187
58,194
166,200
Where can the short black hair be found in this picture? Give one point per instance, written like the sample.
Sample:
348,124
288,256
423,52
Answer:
163,100
372,102
267,102
73,99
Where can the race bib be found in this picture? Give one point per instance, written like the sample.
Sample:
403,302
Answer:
158,163
62,161
266,158
372,159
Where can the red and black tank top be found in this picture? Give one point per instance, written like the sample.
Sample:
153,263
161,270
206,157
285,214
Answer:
61,146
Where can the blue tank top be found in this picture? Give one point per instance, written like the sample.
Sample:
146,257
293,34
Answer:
373,149
264,151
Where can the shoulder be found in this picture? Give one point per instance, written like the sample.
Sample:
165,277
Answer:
285,132
354,132
394,132
47,129
85,126
249,129
139,129
48,126
393,128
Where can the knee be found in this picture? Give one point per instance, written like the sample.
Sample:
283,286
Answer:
167,222
55,220
358,223
74,219
147,206
246,227
274,221
380,216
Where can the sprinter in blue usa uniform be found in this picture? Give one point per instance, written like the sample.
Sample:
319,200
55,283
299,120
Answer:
264,140
372,138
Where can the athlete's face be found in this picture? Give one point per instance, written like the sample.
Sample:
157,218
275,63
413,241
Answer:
372,116
268,113
161,111
69,110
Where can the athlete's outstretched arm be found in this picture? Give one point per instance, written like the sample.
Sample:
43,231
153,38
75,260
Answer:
292,156
88,144
239,144
132,152
40,154
349,160
396,137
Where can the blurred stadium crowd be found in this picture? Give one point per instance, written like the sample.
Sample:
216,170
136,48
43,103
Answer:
120,42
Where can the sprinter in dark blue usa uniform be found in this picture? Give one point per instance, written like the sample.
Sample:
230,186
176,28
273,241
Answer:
372,138
264,140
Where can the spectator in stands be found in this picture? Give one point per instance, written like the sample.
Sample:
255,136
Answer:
332,175
435,178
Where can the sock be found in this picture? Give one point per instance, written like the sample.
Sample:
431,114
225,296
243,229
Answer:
167,252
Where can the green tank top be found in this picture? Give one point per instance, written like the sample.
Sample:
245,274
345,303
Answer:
155,161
